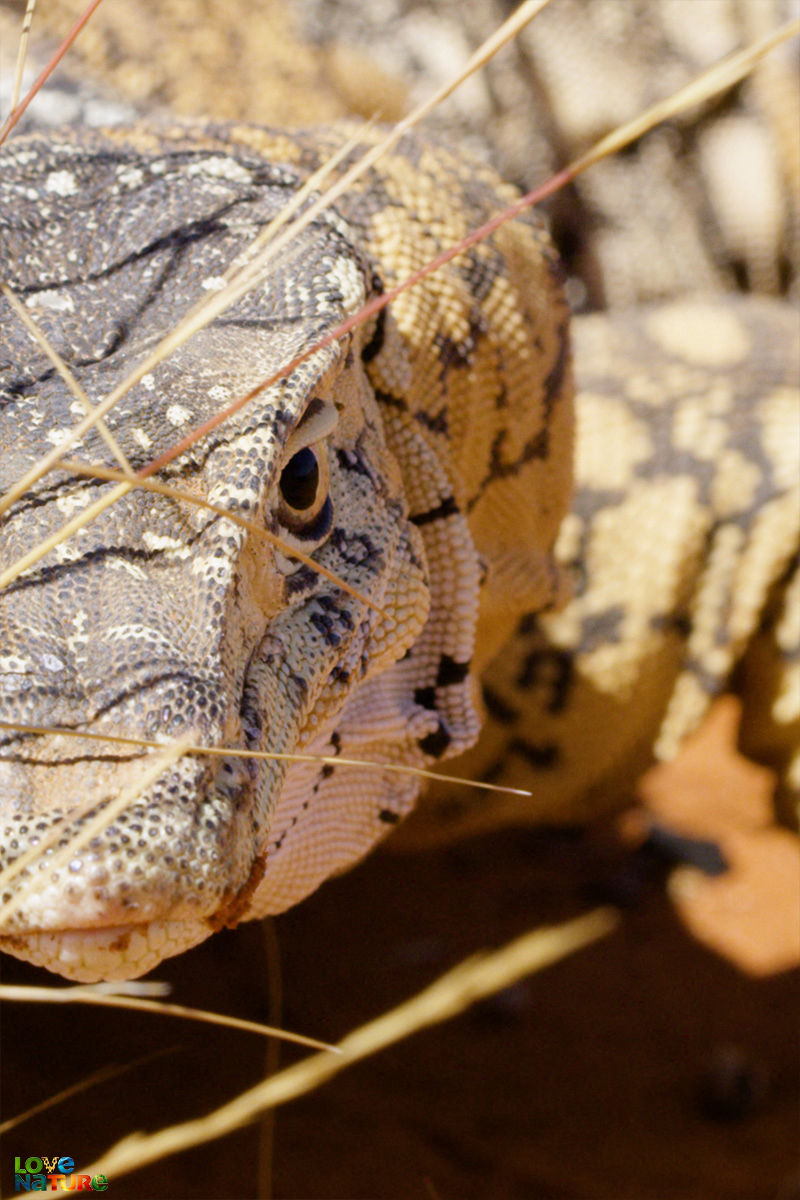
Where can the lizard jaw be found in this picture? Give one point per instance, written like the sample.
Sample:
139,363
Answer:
128,949
113,952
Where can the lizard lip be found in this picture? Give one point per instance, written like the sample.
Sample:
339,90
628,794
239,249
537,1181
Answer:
111,952
176,864
89,938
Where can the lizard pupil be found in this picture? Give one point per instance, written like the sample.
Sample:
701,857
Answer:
300,480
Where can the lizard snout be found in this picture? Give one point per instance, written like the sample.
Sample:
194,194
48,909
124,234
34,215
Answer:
161,860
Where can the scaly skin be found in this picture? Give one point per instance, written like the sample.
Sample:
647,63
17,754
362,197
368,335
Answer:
158,620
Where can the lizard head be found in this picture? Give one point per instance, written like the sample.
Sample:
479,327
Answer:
161,619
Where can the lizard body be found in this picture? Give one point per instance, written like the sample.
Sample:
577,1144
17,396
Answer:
448,485
682,548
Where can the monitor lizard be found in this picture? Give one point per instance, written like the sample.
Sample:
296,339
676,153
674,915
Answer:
426,460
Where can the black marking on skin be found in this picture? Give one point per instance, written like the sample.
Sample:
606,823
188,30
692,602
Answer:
535,447
330,606
678,623
503,712
435,744
448,508
539,445
71,761
177,240
375,343
452,353
545,756
346,544
527,624
425,697
300,581
40,497
481,269
351,460
451,672
324,625
436,424
357,460
552,668
390,400
314,406
388,817
555,377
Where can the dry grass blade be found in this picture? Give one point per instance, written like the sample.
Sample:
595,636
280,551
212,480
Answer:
82,519
77,523
150,773
92,471
101,998
716,79
81,1085
263,755
22,51
448,996
65,373
17,111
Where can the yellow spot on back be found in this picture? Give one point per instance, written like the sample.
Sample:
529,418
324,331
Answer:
701,334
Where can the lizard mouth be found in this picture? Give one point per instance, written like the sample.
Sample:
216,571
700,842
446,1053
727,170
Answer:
125,950
112,952
162,875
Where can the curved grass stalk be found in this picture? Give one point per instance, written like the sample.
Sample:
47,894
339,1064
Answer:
100,997
471,981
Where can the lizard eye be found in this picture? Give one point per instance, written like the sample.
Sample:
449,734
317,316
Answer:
304,508
300,480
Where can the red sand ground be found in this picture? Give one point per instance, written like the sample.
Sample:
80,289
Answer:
660,1064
